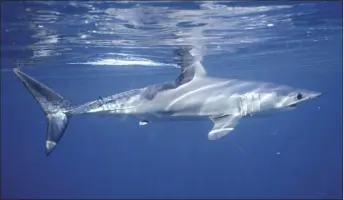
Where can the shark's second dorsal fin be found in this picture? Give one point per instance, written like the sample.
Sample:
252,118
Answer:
190,64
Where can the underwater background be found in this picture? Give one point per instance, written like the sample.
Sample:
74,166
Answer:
84,50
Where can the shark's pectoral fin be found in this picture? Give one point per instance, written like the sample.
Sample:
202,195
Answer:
222,126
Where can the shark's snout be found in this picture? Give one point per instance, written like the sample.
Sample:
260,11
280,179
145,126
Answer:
314,95
302,97
318,94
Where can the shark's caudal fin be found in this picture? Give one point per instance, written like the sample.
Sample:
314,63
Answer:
54,106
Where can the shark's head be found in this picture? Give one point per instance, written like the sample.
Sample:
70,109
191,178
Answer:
273,98
292,98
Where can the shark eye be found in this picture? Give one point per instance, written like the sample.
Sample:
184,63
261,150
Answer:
299,96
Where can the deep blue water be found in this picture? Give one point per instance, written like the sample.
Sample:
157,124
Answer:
88,49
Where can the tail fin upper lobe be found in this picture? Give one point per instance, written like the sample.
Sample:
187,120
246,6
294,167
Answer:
54,106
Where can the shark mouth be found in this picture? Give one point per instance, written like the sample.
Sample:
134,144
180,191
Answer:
292,105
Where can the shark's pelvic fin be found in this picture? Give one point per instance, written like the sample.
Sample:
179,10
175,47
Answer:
223,125
190,64
143,122
54,106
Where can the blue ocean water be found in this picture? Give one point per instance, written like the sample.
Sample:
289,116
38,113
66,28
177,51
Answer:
88,49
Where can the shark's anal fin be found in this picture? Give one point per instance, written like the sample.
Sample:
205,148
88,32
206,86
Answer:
223,125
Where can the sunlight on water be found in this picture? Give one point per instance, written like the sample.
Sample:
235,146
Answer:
85,33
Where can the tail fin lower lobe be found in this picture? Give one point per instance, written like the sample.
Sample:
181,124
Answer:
54,106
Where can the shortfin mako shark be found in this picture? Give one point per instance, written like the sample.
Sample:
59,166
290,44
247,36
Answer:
193,95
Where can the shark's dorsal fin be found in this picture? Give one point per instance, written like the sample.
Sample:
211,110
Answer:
223,125
189,59
190,64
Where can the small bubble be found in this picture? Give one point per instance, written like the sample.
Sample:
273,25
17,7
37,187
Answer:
270,25
40,26
278,153
86,22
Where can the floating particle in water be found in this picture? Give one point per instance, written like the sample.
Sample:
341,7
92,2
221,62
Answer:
319,107
270,25
83,36
275,132
278,153
40,26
